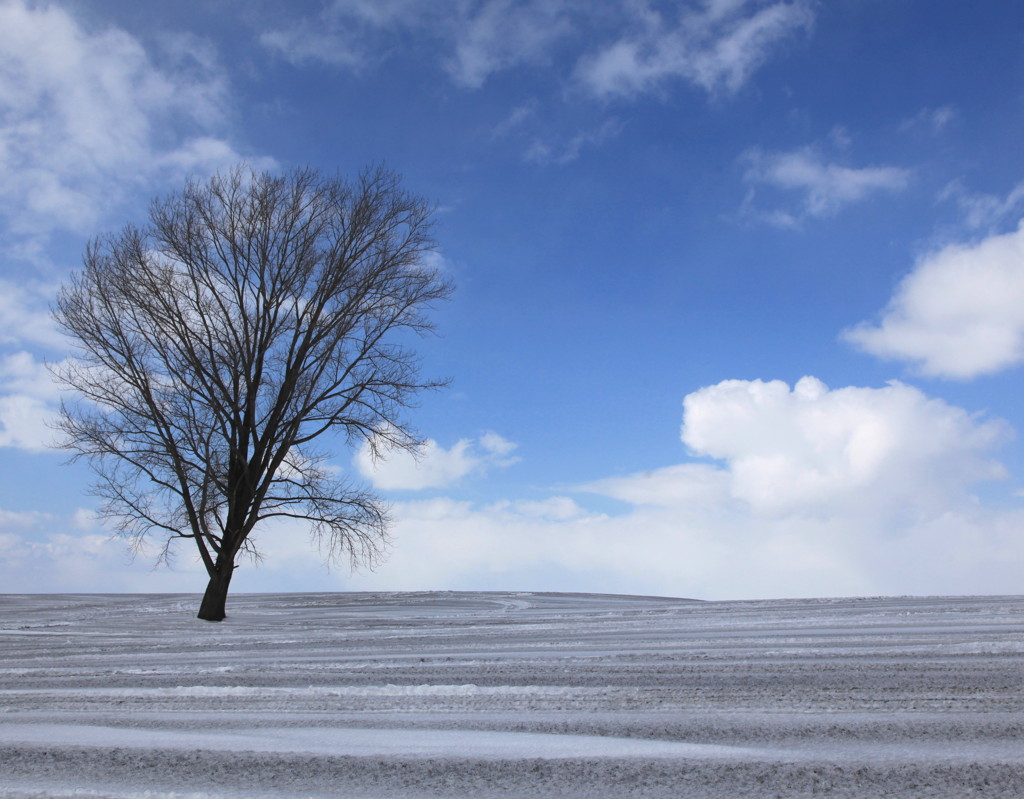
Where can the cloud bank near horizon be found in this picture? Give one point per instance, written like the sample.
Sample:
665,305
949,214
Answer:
809,491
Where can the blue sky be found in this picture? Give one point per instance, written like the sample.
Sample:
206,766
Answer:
740,284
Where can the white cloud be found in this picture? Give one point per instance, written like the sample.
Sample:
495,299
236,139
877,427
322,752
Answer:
25,315
24,423
20,372
86,562
853,491
501,34
88,117
717,47
824,187
934,120
204,155
28,403
28,393
816,492
433,466
560,153
684,485
306,41
811,450
87,520
548,148
477,38
557,508
23,520
723,552
346,33
87,113
986,212
959,314
519,116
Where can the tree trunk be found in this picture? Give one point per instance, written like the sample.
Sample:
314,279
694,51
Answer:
216,596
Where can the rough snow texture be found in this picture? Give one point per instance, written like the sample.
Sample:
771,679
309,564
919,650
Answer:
379,696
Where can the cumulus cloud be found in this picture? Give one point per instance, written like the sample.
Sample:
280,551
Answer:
810,491
824,188
717,46
86,113
801,491
433,466
813,450
959,314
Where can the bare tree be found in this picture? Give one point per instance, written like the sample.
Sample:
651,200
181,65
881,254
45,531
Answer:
251,316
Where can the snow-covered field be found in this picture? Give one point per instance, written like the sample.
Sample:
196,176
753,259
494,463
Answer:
373,696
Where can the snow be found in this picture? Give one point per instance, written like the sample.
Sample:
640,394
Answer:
392,742
443,694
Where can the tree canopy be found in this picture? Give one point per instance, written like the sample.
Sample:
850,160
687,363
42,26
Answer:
252,314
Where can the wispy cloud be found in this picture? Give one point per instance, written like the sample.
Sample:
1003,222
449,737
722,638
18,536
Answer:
932,120
89,117
477,39
525,125
713,44
501,33
86,114
823,187
516,120
986,212
716,45
549,151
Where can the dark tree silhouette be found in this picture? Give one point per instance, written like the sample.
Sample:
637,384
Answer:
251,316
